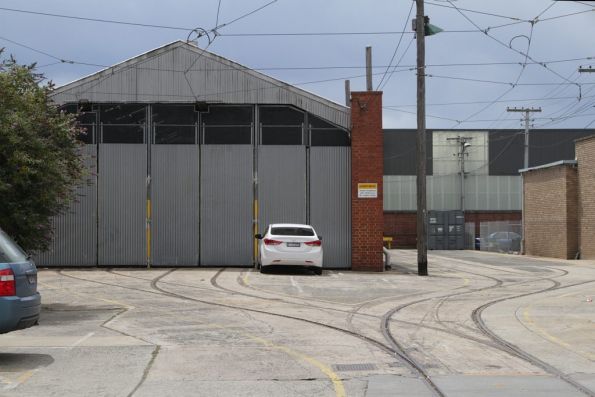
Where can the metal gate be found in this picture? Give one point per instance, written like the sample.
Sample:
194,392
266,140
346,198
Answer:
75,232
330,202
281,185
195,204
226,191
122,204
175,205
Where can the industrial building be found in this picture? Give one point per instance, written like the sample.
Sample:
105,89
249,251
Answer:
491,187
190,154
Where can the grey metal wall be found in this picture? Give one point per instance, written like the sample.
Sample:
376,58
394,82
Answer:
122,204
482,193
175,205
226,205
330,202
75,232
281,185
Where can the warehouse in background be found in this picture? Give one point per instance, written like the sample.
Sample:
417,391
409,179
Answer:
489,191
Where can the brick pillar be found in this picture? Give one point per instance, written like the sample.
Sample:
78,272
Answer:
367,155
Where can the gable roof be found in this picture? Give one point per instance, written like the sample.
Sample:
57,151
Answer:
180,72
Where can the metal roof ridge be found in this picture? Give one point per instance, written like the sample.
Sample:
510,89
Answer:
204,52
273,80
124,63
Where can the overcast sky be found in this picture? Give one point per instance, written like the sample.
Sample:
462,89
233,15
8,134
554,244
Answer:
562,44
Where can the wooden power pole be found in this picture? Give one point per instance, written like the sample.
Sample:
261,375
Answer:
422,248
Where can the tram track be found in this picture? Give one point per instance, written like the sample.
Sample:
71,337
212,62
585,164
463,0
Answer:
390,345
518,352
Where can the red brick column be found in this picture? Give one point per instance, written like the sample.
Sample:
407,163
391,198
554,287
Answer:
367,220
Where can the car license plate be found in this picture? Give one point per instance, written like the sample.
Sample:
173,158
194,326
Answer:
32,278
293,244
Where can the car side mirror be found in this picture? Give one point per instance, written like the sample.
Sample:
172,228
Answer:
258,236
320,238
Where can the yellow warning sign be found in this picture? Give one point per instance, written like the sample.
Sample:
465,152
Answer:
367,190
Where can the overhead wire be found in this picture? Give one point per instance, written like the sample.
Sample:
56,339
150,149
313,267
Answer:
396,49
526,54
398,63
486,33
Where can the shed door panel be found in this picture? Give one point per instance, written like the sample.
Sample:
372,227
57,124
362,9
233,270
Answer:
281,185
226,205
122,204
330,203
175,205
75,232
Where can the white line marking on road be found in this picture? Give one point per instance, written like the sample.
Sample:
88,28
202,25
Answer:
296,285
84,338
386,281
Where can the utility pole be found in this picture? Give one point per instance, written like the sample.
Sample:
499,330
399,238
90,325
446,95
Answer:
422,248
527,111
527,121
463,144
369,68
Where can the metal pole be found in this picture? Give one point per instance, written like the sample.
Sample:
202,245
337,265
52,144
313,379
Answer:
527,121
462,145
526,165
347,93
422,249
369,68
526,162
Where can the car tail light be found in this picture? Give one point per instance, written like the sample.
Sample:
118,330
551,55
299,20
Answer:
268,241
7,284
315,243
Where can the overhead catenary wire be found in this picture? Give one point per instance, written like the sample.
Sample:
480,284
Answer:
397,48
526,55
527,62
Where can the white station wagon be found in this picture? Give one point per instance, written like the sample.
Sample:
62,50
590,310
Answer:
290,244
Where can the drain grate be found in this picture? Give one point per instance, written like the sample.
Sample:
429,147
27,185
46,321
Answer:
354,367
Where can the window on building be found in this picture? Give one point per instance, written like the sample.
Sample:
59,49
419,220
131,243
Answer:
281,125
122,133
122,123
174,124
86,122
323,133
227,125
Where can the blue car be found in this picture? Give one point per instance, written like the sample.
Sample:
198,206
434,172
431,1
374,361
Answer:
20,303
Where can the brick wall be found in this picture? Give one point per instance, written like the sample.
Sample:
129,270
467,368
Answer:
401,226
550,203
366,167
585,155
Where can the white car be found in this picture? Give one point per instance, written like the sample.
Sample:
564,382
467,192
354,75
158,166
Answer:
290,244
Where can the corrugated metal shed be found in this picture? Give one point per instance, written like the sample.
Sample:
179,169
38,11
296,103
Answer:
183,73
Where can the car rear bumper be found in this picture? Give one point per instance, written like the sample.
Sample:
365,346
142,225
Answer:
314,260
19,312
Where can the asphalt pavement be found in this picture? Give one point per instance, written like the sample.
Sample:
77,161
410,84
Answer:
481,324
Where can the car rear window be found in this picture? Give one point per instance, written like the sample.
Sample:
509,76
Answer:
292,231
10,252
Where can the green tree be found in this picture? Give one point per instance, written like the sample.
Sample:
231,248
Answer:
40,157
